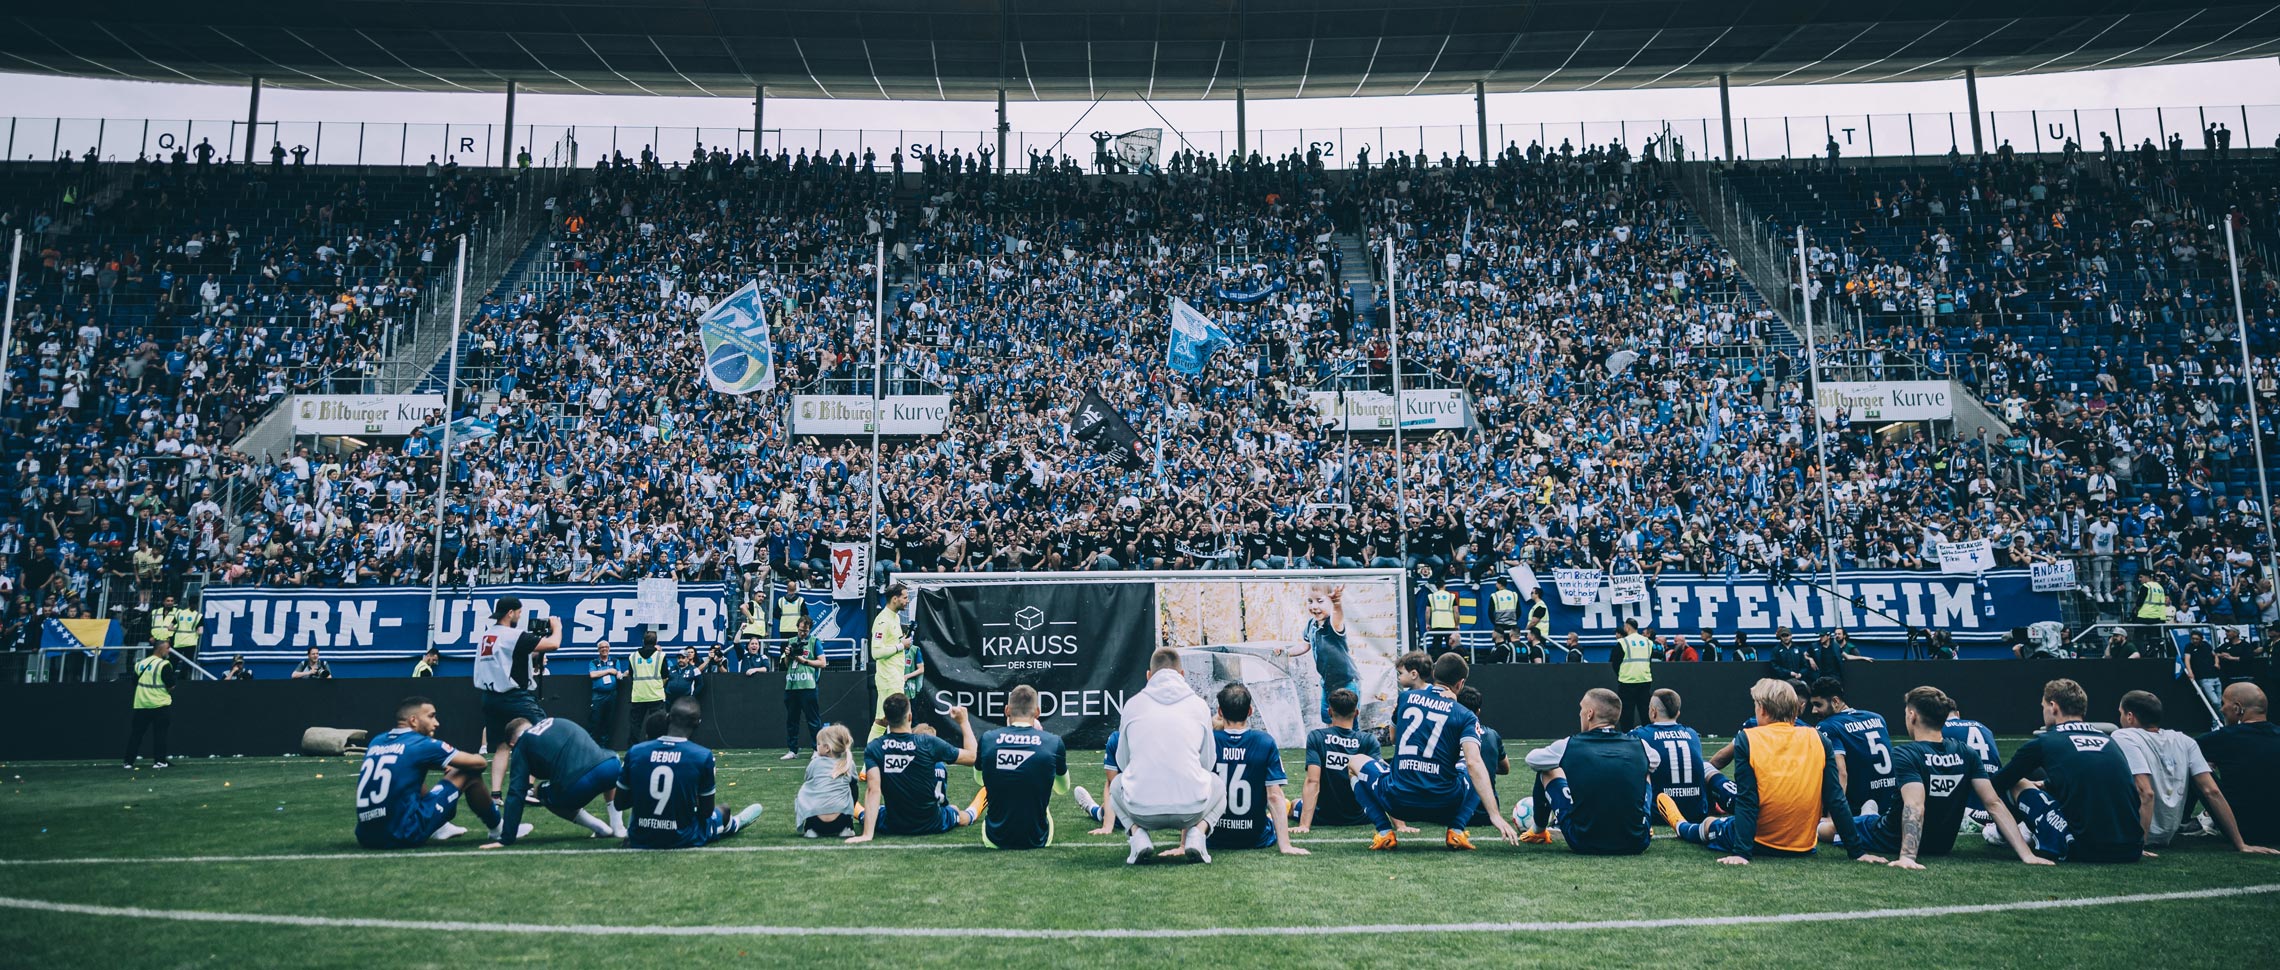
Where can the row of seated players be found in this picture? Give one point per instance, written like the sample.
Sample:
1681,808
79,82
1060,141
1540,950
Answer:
2078,793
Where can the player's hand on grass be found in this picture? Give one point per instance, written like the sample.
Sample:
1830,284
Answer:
2038,861
1733,860
2259,850
1406,829
492,845
1103,830
1295,850
1504,828
2150,854
1300,829
858,839
1906,863
1871,858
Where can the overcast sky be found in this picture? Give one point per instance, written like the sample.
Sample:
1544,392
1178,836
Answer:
2185,86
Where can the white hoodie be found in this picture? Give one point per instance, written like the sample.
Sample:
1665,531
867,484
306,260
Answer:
1164,755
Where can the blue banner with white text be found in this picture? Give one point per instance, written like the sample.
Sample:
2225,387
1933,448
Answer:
392,622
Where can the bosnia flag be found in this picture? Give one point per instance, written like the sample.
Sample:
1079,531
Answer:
88,635
739,358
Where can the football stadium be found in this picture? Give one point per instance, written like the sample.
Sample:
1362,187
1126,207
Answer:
1138,483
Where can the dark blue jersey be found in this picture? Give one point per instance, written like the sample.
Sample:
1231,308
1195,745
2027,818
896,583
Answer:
1976,736
551,750
1332,749
1491,758
1682,773
1861,737
1430,728
2087,774
1108,755
911,770
1020,767
1249,763
393,779
1946,769
667,787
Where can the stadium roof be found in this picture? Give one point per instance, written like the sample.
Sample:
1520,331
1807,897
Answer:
1084,49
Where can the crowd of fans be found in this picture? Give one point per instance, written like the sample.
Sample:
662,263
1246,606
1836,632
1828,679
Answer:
1636,406
164,307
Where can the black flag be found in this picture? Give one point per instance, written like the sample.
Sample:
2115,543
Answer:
1100,426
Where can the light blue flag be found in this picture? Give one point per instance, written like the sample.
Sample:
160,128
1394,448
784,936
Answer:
739,357
1194,338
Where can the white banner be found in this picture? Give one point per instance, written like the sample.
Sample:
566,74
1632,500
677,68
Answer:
362,414
1426,409
1524,580
1969,556
656,600
1886,400
2053,577
907,414
1623,588
850,570
1577,586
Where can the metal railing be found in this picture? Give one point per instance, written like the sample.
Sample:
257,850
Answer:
1920,134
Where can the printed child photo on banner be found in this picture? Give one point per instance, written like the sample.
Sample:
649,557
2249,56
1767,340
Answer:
1291,643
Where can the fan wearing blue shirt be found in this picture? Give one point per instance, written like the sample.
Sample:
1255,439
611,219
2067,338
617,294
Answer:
604,675
394,808
1250,768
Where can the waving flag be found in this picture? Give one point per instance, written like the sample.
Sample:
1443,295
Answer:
1194,338
464,431
88,635
1099,425
738,356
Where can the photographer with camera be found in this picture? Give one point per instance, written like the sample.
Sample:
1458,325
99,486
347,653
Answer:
504,675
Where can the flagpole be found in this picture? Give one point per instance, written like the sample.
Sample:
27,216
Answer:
8,329
878,376
443,466
1400,463
2248,381
1820,434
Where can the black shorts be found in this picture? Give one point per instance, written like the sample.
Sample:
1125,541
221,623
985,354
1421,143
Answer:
842,825
499,707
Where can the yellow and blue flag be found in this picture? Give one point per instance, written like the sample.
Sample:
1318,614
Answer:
88,635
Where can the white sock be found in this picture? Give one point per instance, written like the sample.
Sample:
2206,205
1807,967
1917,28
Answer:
617,819
595,825
451,831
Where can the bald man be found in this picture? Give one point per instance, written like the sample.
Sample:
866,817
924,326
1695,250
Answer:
2242,754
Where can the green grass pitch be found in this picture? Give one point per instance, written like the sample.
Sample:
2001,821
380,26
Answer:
300,807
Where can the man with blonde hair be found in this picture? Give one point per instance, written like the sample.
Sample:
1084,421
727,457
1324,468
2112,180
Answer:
1784,781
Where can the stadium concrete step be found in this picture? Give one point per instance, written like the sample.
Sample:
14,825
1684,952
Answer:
1354,272
527,268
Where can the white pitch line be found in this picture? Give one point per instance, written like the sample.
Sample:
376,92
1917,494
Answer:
821,845
536,929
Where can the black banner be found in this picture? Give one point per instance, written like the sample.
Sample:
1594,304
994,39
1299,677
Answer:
1107,432
1084,646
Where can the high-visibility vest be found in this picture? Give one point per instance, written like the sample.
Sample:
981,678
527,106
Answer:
150,683
162,625
788,612
1506,605
649,678
2156,606
1540,619
185,628
1638,655
755,622
423,668
1441,610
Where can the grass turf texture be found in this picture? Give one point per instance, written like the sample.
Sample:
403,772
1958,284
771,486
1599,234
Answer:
246,807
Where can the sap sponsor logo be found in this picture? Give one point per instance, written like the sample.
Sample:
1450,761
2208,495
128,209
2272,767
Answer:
1943,786
898,763
1009,759
2088,742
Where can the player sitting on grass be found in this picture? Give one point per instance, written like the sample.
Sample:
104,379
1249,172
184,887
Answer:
1328,749
1785,779
571,768
1981,740
1021,765
904,772
2086,809
1437,774
1491,755
1250,766
1687,789
1861,743
670,780
1597,782
1934,774
394,809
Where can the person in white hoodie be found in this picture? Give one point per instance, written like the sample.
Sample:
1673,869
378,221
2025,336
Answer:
1167,777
